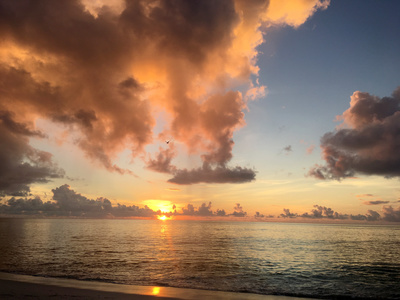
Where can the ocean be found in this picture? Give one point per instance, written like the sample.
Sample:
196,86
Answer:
334,261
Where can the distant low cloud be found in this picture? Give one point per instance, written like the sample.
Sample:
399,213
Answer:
368,141
220,213
69,203
287,214
389,214
323,212
238,211
205,211
370,216
258,215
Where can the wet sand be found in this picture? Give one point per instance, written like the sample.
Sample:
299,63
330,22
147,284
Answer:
13,286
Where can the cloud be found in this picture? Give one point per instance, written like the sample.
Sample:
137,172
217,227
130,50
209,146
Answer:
365,195
238,211
69,203
203,210
162,162
310,149
220,213
293,13
369,145
103,70
29,206
20,164
391,214
258,215
219,174
288,214
173,189
188,210
323,212
371,216
376,202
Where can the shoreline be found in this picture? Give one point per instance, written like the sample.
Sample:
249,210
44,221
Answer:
34,287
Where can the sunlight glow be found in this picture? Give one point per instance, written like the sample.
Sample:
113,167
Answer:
163,218
158,205
156,290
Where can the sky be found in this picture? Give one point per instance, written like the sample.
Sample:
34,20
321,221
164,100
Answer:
233,108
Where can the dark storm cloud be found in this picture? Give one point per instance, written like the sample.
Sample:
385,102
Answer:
21,164
370,144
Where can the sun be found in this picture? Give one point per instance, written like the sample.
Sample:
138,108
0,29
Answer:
163,217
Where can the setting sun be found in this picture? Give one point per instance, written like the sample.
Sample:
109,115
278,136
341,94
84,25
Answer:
163,218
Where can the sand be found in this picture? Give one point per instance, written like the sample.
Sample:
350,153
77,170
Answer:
13,286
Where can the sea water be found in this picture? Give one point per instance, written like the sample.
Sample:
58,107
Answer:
305,260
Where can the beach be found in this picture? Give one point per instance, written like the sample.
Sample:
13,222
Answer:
15,286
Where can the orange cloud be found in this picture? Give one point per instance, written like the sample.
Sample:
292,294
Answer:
102,69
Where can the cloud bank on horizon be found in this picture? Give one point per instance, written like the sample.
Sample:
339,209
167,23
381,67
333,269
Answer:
68,203
104,71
